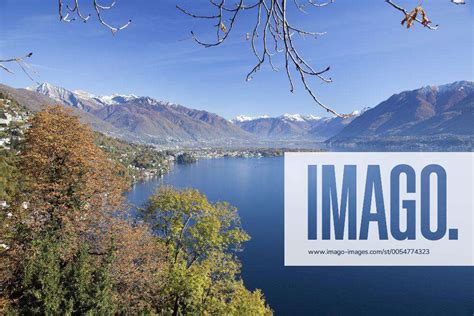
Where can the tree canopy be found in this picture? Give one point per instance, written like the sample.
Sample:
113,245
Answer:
201,239
68,247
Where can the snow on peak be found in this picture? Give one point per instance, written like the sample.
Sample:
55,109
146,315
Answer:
84,94
292,117
78,97
55,93
299,117
116,98
359,112
311,117
245,118
42,86
285,117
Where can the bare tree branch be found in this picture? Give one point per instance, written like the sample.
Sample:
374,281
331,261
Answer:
302,6
64,14
271,35
413,15
20,61
274,34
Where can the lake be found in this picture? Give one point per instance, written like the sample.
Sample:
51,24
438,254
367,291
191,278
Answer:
255,187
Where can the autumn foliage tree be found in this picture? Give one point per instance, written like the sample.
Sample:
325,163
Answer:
70,179
70,250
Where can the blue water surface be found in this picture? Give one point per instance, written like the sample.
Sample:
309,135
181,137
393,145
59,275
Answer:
255,187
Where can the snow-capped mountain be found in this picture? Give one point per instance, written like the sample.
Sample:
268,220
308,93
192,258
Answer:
116,98
148,118
84,94
79,98
245,118
65,96
286,117
424,112
106,99
299,117
292,126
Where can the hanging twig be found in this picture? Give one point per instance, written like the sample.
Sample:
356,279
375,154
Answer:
20,61
64,15
271,35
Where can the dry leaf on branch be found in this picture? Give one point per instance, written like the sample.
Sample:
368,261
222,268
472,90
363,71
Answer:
410,18
223,27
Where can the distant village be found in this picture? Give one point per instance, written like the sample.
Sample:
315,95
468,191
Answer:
12,122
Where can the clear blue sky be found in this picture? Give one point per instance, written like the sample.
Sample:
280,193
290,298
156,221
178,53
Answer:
370,54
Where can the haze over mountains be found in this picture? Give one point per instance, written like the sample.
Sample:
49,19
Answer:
433,111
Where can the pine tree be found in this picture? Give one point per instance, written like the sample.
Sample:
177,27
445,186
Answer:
41,290
77,278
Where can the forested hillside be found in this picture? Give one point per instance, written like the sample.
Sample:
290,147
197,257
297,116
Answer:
67,245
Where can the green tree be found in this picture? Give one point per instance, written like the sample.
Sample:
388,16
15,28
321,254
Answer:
52,287
103,301
201,239
10,179
79,277
41,290
185,158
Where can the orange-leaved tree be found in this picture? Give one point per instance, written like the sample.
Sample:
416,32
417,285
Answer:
71,182
71,251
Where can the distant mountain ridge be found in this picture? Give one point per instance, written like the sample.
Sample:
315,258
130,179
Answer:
155,120
293,126
442,111
34,102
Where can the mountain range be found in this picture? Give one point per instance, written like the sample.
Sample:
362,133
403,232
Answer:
441,111
140,117
294,126
431,111
148,119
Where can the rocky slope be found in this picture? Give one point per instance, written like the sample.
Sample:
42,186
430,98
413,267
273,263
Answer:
441,111
143,117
